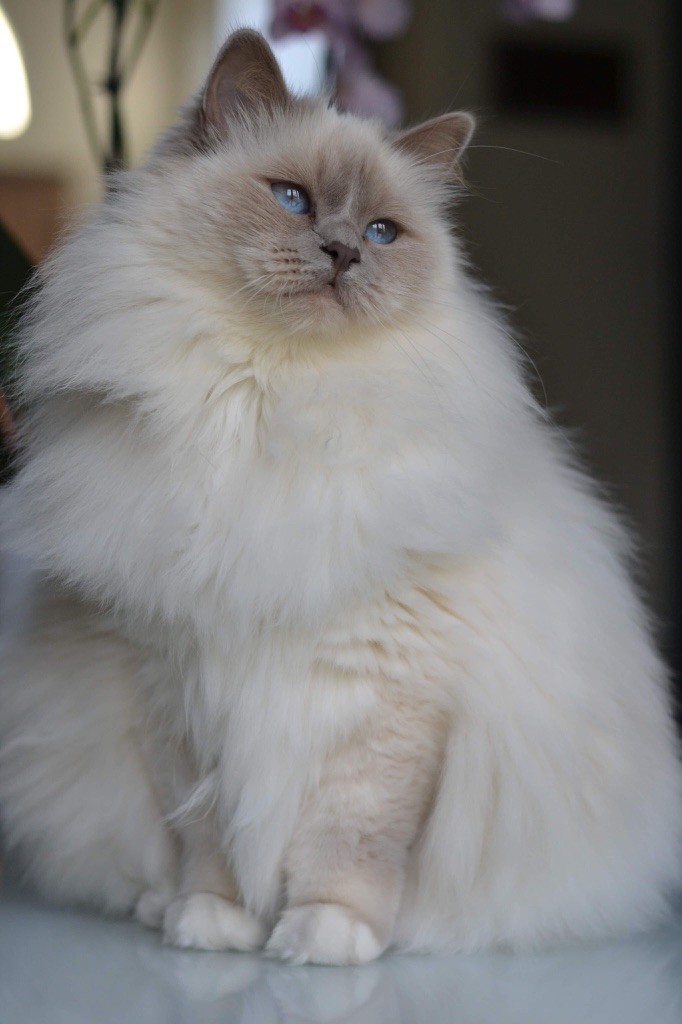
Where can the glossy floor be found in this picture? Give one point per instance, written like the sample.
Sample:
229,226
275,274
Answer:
60,967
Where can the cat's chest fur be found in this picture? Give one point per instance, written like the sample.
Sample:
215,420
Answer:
301,493
239,498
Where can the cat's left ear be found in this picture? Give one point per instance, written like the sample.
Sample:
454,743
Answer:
245,76
440,142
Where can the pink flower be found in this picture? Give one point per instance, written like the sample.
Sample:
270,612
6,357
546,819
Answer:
361,91
346,24
334,17
375,19
550,10
382,19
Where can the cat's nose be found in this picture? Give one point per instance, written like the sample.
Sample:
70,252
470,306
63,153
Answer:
342,255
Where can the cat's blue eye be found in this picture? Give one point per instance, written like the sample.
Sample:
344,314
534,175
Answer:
292,197
382,231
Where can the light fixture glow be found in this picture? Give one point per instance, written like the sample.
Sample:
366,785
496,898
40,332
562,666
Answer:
15,102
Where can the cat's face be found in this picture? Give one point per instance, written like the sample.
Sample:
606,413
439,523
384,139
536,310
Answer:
319,220
327,225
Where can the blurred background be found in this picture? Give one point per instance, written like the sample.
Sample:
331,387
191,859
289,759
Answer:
573,217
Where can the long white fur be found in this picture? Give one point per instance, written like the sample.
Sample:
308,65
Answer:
293,538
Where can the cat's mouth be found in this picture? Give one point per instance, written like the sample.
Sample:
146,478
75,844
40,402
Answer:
330,290
325,297
325,292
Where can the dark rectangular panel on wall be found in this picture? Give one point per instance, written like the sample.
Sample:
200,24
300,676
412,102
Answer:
562,80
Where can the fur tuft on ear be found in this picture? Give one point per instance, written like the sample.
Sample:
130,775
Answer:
439,142
245,74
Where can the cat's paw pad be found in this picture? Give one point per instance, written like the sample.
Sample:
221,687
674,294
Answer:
323,933
203,920
151,907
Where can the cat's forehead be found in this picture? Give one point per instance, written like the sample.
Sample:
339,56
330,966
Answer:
341,159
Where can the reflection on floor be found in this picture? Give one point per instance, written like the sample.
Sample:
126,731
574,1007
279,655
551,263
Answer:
61,967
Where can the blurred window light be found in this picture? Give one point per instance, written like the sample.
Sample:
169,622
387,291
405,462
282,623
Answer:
15,101
302,58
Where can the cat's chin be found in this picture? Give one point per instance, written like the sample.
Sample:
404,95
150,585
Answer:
323,308
326,293
326,305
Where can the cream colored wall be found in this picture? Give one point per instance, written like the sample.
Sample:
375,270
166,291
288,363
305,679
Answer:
177,52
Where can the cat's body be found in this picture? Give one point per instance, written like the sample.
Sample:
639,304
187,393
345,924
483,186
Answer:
329,592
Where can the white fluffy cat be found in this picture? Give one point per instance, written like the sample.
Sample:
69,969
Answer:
327,643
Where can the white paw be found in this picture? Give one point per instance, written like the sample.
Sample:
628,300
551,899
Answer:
203,920
151,907
323,933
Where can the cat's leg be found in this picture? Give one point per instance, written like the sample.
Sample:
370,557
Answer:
345,867
207,913
204,910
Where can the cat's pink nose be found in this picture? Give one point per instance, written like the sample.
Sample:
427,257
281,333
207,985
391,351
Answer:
342,255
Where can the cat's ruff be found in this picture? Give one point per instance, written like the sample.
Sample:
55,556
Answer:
339,649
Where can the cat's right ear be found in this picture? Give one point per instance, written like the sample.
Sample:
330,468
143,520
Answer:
245,76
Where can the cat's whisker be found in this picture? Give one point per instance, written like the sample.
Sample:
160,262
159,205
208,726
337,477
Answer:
249,284
445,338
389,330
255,293
521,152
500,326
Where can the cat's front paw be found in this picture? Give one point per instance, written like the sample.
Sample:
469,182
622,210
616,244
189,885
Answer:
151,907
323,933
204,920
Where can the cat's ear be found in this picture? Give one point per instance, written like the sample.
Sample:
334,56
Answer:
440,142
245,76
